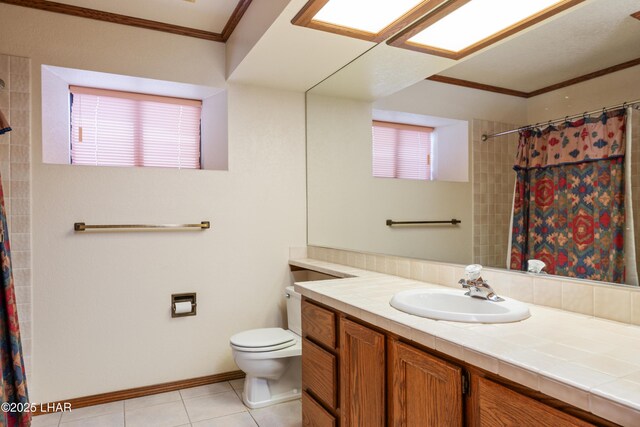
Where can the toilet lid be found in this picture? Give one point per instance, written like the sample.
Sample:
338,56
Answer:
261,339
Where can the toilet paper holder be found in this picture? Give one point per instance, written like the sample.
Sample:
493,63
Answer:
189,297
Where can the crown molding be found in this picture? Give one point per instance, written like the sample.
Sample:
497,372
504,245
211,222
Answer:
116,18
475,85
512,92
235,18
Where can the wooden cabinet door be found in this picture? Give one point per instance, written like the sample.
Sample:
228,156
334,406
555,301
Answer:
425,390
500,406
362,376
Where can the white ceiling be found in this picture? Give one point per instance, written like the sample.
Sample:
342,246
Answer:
208,15
592,36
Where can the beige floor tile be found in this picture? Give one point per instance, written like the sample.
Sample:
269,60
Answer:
154,399
115,419
237,384
46,420
238,387
204,390
213,406
287,414
170,414
242,419
92,411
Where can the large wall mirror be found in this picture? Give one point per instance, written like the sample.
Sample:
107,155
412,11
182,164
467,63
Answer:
519,81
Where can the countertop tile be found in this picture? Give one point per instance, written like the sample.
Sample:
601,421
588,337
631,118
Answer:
608,365
612,411
621,390
580,377
521,376
565,392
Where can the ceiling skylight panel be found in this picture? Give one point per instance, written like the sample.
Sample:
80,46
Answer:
476,21
371,20
458,28
371,16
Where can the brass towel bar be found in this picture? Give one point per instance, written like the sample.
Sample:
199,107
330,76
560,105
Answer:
81,226
452,221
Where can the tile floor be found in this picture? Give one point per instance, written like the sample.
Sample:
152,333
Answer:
213,405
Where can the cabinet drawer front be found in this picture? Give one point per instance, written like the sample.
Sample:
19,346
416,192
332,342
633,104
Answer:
319,324
500,406
319,373
314,415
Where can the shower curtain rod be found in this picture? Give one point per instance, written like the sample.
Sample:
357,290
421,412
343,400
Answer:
634,104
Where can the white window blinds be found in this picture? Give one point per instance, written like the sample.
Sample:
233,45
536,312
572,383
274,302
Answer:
111,128
401,151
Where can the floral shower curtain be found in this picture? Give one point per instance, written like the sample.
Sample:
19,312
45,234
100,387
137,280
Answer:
569,200
14,384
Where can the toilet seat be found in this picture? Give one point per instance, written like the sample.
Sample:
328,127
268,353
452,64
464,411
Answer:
262,340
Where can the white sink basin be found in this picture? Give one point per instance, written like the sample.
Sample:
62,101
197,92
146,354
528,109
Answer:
453,304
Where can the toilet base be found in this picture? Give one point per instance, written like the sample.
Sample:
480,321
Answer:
260,392
261,400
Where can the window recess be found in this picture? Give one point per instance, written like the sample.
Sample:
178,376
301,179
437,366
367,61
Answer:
402,150
115,128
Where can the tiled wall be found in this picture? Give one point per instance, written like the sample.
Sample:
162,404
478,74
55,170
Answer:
493,183
15,170
581,296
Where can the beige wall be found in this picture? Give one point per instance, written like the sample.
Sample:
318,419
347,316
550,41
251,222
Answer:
348,207
492,182
101,301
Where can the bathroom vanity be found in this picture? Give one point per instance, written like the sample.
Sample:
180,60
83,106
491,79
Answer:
367,364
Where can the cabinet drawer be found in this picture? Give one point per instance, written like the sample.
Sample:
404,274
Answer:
319,373
319,324
314,415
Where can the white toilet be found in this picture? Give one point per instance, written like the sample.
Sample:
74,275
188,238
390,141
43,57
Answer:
271,359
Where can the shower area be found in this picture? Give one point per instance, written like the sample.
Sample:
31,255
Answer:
494,181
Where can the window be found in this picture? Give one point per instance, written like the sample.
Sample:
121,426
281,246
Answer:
112,128
401,151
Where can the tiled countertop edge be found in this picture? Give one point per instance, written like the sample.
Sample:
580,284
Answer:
613,397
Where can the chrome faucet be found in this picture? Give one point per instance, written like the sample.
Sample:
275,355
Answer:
478,288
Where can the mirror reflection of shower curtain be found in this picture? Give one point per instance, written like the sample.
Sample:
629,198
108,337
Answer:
567,208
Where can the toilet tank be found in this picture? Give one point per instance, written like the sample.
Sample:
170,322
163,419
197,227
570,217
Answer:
294,310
